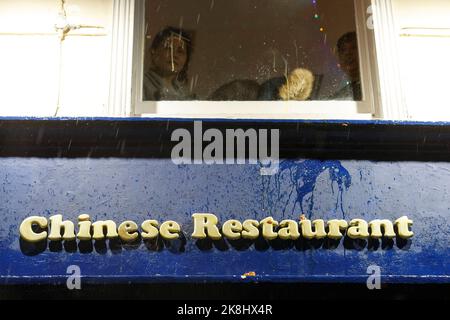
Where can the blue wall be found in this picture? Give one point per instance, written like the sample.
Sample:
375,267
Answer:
122,189
139,189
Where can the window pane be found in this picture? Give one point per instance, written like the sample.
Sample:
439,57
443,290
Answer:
247,50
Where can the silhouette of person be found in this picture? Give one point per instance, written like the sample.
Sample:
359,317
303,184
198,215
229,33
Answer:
237,90
348,55
166,77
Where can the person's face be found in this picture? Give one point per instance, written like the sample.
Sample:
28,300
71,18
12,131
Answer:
349,59
170,56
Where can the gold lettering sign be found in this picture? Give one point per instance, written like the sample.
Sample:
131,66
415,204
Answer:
206,225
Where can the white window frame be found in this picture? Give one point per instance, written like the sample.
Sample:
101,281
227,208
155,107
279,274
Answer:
379,70
392,105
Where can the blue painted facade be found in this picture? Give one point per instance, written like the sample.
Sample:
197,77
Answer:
121,188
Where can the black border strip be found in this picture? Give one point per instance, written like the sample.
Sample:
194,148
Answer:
152,139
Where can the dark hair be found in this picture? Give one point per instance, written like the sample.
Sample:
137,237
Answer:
164,34
237,90
346,38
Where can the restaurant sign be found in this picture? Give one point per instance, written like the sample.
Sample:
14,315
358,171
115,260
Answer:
105,198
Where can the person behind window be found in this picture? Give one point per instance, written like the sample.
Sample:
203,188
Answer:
166,77
347,49
297,86
237,90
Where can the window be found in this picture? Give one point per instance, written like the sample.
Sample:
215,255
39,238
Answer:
254,58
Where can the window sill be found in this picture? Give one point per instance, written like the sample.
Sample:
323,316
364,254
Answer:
349,110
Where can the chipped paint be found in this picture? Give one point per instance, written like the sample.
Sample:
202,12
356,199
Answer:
145,188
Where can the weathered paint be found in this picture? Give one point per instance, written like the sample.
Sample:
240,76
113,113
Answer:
138,189
122,189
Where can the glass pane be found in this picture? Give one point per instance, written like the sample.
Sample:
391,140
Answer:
248,50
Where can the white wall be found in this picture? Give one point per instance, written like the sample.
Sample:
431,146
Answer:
37,70
424,42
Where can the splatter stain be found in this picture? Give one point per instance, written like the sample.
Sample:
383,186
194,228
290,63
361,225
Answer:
303,175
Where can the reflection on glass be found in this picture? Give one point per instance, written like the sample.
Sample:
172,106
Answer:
248,50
